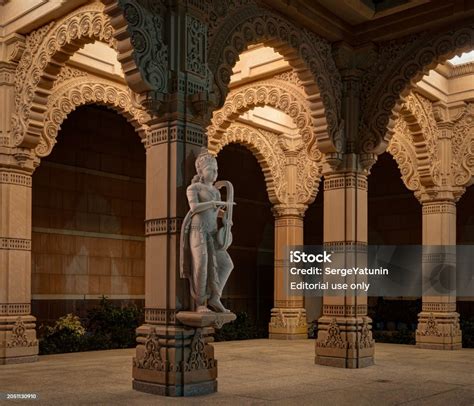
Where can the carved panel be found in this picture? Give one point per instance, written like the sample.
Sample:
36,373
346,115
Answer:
18,336
196,49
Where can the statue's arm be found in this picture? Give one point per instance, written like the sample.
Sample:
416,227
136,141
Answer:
194,203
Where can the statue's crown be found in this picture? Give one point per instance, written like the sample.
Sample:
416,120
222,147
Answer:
203,159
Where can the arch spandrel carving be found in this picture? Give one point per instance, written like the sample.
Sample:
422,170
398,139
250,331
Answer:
231,31
402,149
46,51
423,133
76,91
274,155
462,163
401,64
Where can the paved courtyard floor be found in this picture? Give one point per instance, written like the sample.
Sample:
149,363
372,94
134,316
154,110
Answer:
257,372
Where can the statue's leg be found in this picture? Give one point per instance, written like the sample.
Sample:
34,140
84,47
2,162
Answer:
224,266
200,260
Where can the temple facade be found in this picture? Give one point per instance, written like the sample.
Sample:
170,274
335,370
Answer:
339,123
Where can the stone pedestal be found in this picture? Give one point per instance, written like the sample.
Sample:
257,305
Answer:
439,331
288,324
345,342
178,360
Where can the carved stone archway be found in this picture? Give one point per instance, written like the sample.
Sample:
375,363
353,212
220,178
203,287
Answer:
414,143
46,51
289,99
233,28
275,93
400,65
77,91
269,156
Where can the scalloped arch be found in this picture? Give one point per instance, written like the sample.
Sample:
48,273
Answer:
274,93
417,112
47,49
81,91
378,119
308,54
269,158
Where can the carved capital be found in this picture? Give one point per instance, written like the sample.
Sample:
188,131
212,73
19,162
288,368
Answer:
281,211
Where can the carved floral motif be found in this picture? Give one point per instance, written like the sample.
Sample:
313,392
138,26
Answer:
18,336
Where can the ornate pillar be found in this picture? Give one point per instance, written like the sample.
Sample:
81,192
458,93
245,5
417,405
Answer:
173,355
288,318
17,326
344,331
438,322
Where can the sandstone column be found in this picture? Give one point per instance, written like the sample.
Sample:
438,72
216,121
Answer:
171,75
438,322
17,326
344,331
288,318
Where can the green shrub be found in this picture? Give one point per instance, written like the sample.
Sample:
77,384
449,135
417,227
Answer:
467,327
403,336
110,326
106,326
242,328
66,335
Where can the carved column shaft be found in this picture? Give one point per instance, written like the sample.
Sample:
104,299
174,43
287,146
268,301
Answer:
288,318
344,331
169,47
17,327
438,322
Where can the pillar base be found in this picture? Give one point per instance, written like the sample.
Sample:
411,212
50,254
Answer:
439,331
197,389
288,324
18,343
345,342
174,361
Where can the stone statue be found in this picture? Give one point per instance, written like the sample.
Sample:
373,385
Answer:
204,259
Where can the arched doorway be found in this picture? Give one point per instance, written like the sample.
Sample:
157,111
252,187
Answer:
394,218
87,217
250,286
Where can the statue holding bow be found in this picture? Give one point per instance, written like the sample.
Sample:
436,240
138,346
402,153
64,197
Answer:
204,258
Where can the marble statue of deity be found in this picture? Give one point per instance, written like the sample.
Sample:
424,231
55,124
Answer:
204,259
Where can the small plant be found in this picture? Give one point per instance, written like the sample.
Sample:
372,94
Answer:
467,328
105,327
66,335
242,328
111,326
